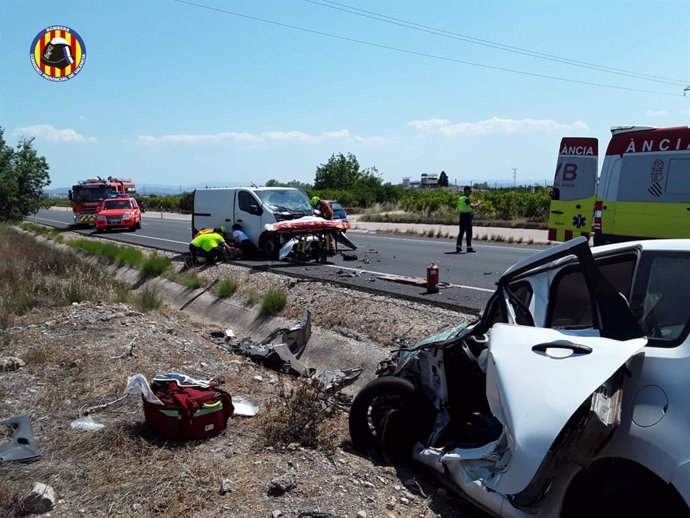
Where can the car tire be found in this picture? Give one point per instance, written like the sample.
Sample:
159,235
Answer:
139,224
270,248
387,417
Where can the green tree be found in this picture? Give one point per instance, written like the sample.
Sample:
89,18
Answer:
443,179
340,172
292,183
23,175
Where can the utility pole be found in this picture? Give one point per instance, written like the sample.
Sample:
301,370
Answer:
515,169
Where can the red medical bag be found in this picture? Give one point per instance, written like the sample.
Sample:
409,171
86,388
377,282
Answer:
188,412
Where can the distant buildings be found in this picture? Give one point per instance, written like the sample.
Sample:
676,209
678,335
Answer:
427,181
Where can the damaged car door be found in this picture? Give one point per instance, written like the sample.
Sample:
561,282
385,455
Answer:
552,388
557,396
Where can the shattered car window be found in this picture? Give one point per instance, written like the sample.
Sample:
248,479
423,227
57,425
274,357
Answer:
570,306
660,297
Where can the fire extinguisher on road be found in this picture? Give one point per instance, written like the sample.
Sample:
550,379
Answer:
432,278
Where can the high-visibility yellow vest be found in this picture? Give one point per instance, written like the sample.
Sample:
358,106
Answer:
464,204
208,241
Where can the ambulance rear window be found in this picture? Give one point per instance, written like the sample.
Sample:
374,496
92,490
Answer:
575,178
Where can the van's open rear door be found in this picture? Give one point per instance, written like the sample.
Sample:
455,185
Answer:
574,186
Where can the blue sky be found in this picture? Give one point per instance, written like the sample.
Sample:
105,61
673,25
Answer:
181,95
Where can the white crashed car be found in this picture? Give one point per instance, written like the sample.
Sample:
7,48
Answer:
569,397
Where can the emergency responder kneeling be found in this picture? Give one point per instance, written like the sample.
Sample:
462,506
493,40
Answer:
242,244
209,245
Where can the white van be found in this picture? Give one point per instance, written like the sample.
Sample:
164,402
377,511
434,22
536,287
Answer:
251,207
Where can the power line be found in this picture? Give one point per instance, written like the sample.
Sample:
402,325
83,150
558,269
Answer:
488,43
423,54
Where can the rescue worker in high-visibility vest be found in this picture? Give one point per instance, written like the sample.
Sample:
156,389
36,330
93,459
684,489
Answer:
209,245
466,209
223,231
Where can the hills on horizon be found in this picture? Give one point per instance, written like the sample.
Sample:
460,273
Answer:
147,189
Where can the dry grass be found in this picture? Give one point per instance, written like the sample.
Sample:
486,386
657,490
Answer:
34,275
302,416
77,357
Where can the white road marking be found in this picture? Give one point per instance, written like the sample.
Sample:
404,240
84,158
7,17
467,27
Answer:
382,273
451,244
31,220
130,235
159,239
372,272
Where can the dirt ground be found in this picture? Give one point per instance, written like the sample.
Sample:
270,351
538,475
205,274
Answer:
80,356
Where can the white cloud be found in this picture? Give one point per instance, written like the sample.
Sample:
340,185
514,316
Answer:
656,113
493,125
199,137
48,132
372,141
266,136
288,135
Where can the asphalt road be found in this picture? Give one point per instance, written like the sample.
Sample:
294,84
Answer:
472,276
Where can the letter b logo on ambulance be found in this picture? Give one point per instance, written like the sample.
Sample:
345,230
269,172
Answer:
569,172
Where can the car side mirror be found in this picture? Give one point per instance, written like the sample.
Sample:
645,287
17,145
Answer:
256,210
69,195
555,193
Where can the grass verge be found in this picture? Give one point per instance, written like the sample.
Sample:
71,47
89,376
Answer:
226,287
273,303
34,275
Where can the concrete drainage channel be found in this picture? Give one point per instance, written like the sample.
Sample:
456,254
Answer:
325,350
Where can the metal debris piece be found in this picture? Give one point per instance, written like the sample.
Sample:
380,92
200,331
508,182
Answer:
22,446
284,356
339,378
407,279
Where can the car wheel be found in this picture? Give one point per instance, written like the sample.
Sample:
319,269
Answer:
270,248
99,230
139,224
387,416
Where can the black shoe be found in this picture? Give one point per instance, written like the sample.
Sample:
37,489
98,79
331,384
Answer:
458,249
471,250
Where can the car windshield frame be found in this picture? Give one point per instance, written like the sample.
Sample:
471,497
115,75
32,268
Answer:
90,194
117,205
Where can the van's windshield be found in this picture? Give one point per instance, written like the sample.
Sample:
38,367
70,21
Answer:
294,202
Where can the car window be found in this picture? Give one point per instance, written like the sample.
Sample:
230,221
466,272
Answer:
117,204
660,295
570,305
244,200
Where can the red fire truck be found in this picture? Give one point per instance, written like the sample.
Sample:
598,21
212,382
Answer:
87,196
